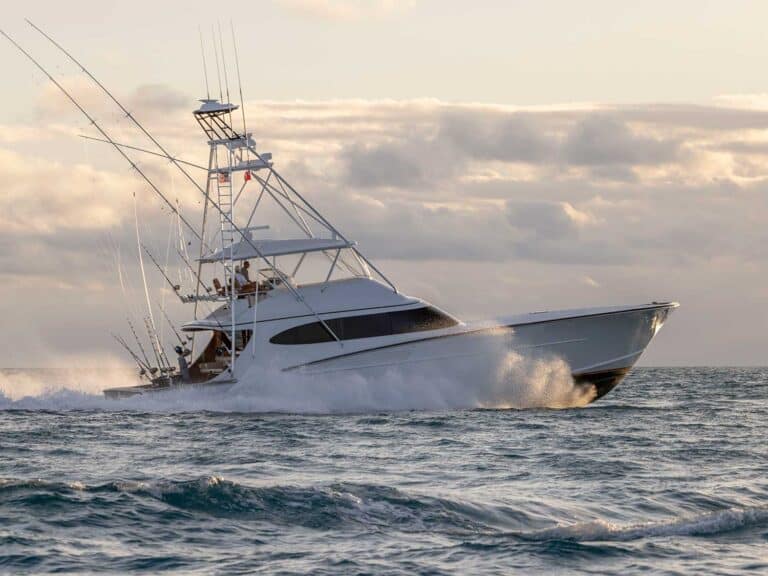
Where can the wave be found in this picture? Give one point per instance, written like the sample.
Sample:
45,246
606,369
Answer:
340,505
706,524
328,507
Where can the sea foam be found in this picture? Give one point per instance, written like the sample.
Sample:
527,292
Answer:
493,379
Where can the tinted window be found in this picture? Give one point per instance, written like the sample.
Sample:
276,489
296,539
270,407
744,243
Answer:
368,326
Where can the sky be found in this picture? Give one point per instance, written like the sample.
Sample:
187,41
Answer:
494,157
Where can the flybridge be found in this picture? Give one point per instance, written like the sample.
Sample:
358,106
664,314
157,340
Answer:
244,251
232,152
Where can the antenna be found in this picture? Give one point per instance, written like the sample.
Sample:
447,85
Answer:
218,69
239,83
205,68
223,61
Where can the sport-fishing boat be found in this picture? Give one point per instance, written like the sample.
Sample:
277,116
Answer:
314,305
358,321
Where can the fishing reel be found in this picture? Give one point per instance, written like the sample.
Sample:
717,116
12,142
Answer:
184,352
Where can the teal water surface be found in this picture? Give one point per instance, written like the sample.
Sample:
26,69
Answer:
669,472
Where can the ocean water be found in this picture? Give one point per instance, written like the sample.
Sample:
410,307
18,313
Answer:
667,473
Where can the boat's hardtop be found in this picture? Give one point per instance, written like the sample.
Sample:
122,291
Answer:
247,250
211,106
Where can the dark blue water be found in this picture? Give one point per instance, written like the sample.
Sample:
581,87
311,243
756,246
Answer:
669,472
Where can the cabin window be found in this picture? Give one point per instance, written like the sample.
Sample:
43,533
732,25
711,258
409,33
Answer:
367,326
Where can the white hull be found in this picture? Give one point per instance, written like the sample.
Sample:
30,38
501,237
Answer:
599,346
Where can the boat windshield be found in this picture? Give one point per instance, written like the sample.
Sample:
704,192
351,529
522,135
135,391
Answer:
367,326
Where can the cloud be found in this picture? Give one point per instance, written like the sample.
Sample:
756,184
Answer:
649,200
157,100
697,117
556,184
506,137
20,133
747,148
158,103
385,165
44,197
604,140
545,219
500,144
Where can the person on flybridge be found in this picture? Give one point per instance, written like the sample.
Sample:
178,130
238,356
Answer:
243,285
240,279
245,270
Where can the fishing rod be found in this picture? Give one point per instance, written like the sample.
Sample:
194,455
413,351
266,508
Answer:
173,160
175,287
130,116
162,360
181,250
96,125
208,289
128,159
152,369
165,269
170,323
196,306
152,344
143,368
143,272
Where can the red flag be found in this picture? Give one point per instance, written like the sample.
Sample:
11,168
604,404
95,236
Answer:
247,175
